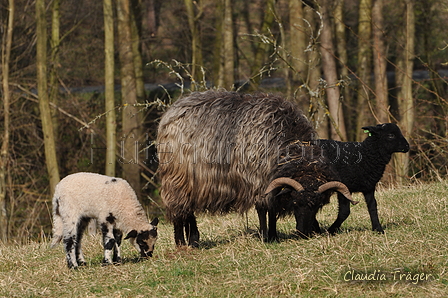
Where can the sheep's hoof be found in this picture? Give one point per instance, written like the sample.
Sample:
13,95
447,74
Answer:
82,263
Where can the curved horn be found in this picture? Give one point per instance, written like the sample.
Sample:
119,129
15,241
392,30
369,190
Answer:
339,187
283,181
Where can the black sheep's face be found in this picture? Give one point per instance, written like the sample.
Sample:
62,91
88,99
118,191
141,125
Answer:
144,241
305,205
390,137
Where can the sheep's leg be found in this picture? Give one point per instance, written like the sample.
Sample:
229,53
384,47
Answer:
191,230
272,232
343,213
108,241
316,227
179,231
373,211
82,225
263,222
118,235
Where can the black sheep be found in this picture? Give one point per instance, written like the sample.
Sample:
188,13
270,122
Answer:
360,165
303,184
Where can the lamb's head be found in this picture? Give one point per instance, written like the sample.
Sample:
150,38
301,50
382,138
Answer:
389,136
145,240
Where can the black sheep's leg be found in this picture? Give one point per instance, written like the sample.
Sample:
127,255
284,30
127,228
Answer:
343,213
179,238
373,211
272,232
316,227
192,232
263,223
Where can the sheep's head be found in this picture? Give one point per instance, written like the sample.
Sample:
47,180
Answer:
389,136
144,241
289,195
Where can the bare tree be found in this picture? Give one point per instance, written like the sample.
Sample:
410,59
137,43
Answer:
109,68
196,43
54,61
42,89
404,71
4,151
364,68
379,62
130,115
228,46
338,131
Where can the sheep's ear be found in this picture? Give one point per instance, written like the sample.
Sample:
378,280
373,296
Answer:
155,221
131,234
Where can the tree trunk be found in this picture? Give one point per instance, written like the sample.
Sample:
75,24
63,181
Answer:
341,46
228,46
196,44
363,70
136,25
131,134
338,131
55,42
298,45
317,108
109,68
218,59
44,106
379,62
404,80
4,151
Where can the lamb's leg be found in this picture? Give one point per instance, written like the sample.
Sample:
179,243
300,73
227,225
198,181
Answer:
108,241
118,235
343,213
179,238
82,225
70,247
263,222
192,232
373,211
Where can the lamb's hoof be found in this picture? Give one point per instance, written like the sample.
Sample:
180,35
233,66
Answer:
106,263
82,263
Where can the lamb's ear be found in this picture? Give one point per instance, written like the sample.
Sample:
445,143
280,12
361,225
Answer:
155,221
131,234
373,129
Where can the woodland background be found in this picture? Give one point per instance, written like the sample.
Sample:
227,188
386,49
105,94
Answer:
85,82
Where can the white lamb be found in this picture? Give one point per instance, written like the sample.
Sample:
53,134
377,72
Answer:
80,197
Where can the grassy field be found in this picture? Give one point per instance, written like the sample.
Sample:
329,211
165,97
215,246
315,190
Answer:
410,260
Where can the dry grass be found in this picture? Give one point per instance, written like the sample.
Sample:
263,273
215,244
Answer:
233,262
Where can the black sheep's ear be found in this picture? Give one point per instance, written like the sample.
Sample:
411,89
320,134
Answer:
155,221
373,129
131,234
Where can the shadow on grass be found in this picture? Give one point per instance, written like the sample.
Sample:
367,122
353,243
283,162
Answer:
250,233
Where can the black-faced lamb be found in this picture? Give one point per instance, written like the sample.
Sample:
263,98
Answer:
360,165
218,151
80,197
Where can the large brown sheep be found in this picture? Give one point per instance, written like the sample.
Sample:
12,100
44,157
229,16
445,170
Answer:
218,152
